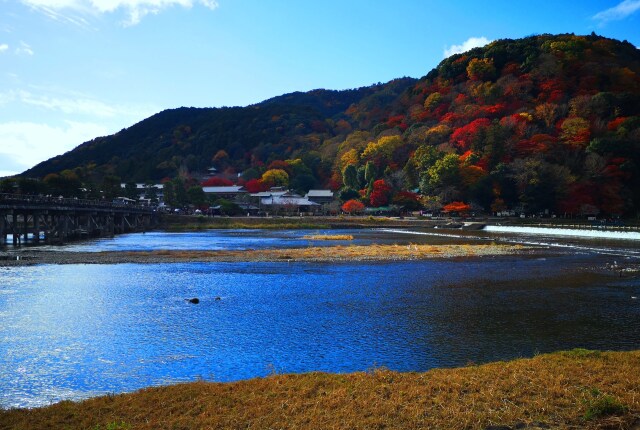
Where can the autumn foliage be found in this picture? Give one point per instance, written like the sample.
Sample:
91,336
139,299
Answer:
216,182
353,206
532,124
380,194
458,207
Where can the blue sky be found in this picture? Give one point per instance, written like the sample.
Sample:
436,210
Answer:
72,70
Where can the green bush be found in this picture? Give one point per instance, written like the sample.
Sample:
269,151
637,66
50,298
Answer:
603,405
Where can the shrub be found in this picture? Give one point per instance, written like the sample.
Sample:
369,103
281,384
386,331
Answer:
603,405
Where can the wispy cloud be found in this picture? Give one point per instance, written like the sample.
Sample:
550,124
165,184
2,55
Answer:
75,103
134,9
24,49
73,118
470,43
66,18
25,144
618,12
4,48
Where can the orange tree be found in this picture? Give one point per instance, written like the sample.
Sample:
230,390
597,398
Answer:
353,206
459,207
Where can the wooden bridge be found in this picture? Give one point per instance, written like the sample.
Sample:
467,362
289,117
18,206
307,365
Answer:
53,220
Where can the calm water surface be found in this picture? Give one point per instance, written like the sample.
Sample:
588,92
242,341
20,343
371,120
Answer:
74,331
211,240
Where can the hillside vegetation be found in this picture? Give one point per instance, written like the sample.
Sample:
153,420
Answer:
543,124
578,389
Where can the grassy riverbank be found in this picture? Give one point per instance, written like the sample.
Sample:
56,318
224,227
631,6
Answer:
578,389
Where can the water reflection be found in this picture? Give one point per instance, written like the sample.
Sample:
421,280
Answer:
78,330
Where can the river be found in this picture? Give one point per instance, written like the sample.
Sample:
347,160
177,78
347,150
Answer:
75,331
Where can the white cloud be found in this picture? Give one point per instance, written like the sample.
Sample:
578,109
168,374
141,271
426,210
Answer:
470,43
3,48
25,144
620,11
75,118
71,103
24,49
135,9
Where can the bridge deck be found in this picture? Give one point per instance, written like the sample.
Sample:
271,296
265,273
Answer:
59,220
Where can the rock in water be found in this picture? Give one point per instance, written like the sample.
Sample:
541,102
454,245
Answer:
194,300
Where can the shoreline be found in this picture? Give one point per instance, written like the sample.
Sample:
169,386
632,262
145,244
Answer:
577,389
319,254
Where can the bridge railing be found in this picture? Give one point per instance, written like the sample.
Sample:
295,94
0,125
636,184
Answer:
39,200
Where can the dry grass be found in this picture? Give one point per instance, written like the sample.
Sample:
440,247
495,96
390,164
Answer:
324,253
561,390
329,237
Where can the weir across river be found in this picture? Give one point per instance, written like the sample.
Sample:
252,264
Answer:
54,220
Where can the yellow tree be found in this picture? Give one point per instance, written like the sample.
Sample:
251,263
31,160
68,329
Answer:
381,150
275,178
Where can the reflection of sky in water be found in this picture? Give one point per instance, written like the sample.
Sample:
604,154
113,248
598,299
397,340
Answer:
77,330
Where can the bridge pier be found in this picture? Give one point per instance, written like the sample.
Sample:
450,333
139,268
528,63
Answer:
112,225
36,227
14,229
3,230
25,227
48,221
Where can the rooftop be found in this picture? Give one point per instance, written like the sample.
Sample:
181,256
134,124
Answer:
224,189
320,193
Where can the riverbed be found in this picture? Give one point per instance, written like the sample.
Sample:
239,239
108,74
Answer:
78,330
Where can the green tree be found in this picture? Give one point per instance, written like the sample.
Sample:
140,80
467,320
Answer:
228,207
348,194
111,187
445,172
425,156
8,186
65,184
303,183
131,190
350,177
180,190
411,176
169,192
30,186
196,196
370,172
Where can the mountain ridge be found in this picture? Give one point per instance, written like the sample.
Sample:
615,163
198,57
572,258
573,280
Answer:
490,127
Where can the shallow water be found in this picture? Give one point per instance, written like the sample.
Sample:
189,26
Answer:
212,240
74,331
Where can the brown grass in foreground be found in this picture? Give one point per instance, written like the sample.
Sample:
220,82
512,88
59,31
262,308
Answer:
331,253
578,389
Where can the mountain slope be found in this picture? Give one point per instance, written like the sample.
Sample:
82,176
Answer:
543,124
189,137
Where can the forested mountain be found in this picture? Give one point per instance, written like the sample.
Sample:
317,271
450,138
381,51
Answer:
544,123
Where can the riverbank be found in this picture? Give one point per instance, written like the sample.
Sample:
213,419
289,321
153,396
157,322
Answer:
577,389
195,223
349,253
